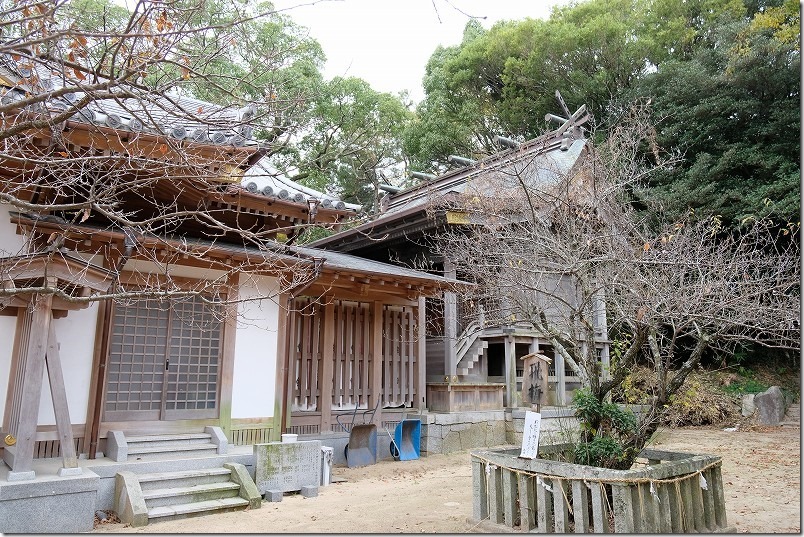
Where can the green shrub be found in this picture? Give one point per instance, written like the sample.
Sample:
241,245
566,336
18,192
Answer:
745,386
603,428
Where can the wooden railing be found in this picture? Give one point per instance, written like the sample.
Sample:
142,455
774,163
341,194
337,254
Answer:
674,493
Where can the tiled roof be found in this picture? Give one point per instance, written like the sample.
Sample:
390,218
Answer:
338,260
176,116
173,115
260,178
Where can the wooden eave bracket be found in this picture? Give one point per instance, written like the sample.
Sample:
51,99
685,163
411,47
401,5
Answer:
67,269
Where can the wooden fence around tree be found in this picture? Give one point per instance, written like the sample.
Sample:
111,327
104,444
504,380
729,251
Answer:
672,493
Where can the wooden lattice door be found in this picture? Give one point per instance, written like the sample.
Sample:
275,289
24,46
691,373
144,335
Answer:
164,361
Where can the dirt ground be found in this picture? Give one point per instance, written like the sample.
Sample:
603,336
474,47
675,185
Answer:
761,475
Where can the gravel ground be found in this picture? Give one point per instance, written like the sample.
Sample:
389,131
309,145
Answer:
761,475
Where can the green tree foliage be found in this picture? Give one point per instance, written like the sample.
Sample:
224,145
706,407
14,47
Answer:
351,141
605,428
723,76
733,109
337,135
457,115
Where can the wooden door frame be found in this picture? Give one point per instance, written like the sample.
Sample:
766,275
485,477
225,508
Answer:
97,387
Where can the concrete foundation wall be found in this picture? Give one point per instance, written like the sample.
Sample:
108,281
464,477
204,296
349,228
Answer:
54,505
446,433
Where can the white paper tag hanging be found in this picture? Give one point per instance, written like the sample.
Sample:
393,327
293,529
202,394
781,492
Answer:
547,487
653,492
530,435
703,483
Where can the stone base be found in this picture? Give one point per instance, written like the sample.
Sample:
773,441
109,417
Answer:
309,492
49,504
273,495
69,471
21,476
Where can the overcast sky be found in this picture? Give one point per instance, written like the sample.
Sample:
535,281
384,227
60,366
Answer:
388,42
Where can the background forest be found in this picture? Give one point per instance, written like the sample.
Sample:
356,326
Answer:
722,78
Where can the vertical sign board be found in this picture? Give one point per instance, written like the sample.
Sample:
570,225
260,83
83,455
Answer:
530,435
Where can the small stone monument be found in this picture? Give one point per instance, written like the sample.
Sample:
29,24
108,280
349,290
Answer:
770,406
534,379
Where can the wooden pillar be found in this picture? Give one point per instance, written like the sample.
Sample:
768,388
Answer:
20,456
228,353
286,351
421,358
450,325
376,359
510,371
561,382
450,334
327,363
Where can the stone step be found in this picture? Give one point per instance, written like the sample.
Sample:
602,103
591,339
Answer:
190,494
156,452
185,478
792,417
168,439
169,512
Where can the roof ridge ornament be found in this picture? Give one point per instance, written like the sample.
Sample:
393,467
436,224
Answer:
570,125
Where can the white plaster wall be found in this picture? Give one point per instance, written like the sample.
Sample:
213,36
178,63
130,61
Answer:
10,242
76,336
8,325
254,377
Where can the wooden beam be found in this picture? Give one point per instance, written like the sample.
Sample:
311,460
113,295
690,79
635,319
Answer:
97,383
282,338
23,325
58,392
287,362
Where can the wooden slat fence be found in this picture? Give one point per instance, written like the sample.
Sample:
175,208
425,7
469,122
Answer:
676,493
306,353
400,356
246,436
352,355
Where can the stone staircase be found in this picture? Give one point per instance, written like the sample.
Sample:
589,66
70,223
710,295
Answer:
146,497
121,448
